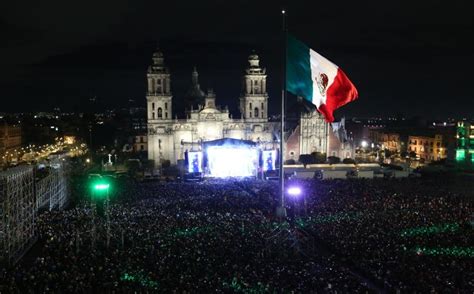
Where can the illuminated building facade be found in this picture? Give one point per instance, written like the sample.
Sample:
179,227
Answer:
391,142
309,136
10,142
465,143
169,139
140,143
427,147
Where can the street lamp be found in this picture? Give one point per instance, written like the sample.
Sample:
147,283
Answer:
100,189
294,191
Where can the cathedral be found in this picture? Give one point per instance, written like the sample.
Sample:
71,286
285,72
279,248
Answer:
170,138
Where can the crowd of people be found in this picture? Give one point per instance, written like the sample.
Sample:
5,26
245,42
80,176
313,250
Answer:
407,234
223,236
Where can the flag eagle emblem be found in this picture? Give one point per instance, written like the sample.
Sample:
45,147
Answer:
322,82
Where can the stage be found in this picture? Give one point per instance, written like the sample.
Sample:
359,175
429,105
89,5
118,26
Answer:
230,158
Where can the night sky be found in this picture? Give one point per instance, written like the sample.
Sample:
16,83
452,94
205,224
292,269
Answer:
405,57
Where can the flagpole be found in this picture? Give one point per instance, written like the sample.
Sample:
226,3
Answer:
281,211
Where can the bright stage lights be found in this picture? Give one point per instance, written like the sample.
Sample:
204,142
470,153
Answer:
232,162
294,191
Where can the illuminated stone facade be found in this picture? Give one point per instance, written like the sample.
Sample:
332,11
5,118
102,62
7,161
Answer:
311,135
391,142
427,148
169,139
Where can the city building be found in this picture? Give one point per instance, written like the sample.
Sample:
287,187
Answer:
138,120
428,148
140,143
385,140
10,142
390,142
465,143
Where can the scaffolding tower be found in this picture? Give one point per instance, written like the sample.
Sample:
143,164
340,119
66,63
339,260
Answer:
52,186
17,213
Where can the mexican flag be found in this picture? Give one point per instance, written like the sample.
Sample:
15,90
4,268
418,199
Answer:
316,79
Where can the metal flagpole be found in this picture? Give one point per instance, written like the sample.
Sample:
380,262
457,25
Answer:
281,211
108,218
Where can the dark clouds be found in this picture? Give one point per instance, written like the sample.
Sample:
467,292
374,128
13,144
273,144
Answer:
404,56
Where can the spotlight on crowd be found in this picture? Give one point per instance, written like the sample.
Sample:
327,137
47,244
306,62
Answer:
294,191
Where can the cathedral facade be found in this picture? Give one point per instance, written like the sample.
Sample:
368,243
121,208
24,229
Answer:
169,139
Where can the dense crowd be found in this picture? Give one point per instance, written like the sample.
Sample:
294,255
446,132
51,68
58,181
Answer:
222,236
409,234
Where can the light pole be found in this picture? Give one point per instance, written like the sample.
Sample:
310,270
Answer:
99,188
93,206
90,136
295,192
281,210
107,213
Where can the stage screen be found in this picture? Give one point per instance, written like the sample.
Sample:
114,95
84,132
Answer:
232,161
268,158
194,161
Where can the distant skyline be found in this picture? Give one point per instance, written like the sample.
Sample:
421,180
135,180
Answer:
405,57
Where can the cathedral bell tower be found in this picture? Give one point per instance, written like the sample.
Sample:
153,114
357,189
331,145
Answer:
158,94
254,97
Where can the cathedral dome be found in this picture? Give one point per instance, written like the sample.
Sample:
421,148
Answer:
195,96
